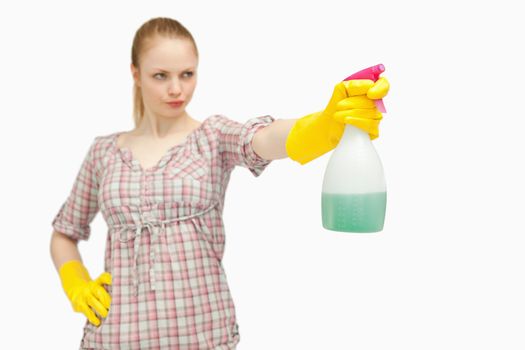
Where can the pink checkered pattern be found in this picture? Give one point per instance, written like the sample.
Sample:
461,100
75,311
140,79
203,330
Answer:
165,238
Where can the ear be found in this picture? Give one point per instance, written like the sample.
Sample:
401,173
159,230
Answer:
135,74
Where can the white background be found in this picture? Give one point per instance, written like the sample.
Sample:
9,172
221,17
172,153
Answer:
447,270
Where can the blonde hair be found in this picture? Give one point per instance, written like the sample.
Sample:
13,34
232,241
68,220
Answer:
159,26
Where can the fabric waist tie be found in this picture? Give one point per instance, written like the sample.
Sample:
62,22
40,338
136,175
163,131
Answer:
152,226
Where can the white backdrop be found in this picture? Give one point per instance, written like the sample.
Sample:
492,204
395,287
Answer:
447,270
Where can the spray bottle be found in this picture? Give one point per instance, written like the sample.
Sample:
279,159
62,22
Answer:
354,187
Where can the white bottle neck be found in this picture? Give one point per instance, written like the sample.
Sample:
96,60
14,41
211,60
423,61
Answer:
353,134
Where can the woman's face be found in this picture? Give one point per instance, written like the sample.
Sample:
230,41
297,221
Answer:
168,73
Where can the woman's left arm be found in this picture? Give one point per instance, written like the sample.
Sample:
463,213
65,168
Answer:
270,142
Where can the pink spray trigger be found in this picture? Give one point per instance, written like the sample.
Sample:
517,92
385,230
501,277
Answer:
380,105
371,73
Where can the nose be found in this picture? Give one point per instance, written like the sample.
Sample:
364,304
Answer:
175,87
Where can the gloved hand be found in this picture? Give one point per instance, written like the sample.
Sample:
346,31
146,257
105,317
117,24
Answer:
315,134
85,293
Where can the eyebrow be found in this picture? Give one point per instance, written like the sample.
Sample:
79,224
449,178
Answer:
163,70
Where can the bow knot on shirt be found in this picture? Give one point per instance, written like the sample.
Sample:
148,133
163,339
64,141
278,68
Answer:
154,227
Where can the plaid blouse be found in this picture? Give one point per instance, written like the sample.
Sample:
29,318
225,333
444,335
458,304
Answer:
165,237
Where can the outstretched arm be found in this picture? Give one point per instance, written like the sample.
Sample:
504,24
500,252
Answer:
270,142
313,135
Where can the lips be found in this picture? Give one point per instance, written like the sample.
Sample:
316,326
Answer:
176,104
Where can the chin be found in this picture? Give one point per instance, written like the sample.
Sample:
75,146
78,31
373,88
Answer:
174,114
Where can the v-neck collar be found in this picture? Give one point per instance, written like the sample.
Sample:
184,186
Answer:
127,156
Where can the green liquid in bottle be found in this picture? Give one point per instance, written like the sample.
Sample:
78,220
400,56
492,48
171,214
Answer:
359,212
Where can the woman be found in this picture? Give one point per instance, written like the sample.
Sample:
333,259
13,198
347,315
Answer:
161,188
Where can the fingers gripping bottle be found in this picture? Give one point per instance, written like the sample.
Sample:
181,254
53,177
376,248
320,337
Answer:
354,187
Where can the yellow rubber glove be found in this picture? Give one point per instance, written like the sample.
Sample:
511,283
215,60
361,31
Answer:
85,293
352,102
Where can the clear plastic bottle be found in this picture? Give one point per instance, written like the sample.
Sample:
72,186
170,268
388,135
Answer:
354,186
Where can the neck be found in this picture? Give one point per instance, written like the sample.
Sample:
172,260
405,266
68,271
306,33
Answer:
158,127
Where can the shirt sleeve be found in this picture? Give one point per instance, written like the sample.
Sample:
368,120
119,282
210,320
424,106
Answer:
235,143
76,213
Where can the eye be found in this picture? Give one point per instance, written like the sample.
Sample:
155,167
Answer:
189,74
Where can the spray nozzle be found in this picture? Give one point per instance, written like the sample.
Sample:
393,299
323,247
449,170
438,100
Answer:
371,73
